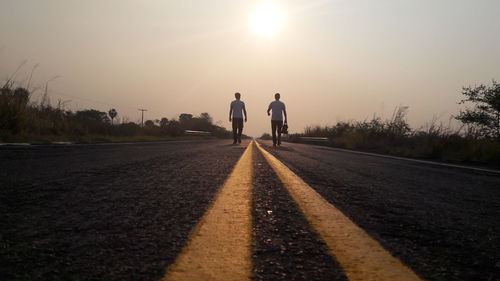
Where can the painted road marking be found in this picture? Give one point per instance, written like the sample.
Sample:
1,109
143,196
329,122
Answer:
219,248
361,257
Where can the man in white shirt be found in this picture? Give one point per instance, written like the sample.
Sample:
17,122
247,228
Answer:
279,110
236,111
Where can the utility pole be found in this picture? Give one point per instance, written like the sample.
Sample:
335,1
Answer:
142,119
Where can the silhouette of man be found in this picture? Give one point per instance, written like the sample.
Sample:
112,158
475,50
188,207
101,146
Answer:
236,116
279,110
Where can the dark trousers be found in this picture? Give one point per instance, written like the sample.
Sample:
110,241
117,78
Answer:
276,128
237,128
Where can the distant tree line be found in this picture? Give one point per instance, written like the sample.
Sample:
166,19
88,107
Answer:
20,119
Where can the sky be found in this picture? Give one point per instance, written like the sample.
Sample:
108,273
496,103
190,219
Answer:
331,61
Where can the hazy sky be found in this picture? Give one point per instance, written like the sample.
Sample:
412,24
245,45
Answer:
330,60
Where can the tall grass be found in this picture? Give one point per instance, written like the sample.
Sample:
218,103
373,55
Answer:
22,119
395,137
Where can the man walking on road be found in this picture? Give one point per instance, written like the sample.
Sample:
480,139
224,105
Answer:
236,116
279,110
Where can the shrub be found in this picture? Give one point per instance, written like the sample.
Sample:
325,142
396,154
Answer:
394,136
20,119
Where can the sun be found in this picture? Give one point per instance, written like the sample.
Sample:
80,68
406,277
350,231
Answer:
266,19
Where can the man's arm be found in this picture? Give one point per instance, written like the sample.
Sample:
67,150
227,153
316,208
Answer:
230,112
245,112
284,112
268,110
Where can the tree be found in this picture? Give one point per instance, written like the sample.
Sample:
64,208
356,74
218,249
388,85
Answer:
92,116
185,116
265,136
112,113
163,122
174,128
149,123
485,113
207,117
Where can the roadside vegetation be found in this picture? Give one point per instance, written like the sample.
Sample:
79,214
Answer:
24,120
476,141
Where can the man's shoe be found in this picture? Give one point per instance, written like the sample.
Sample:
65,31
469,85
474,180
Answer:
234,142
279,142
274,144
239,140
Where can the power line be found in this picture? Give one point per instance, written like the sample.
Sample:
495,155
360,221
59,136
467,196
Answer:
100,102
94,101
91,100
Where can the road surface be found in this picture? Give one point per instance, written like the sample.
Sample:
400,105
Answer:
181,210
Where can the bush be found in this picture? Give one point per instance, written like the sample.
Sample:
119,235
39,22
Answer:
394,136
22,120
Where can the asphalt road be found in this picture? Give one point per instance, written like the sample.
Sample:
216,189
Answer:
124,212
443,222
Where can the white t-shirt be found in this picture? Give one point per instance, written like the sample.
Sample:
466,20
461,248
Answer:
277,107
237,106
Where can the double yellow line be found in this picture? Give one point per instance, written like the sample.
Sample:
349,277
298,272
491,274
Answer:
219,248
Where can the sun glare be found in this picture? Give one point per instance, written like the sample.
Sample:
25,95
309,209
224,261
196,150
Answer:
266,19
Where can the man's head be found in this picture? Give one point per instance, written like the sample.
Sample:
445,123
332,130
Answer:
237,96
277,96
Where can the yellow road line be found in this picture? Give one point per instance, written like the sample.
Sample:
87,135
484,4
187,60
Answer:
361,257
219,248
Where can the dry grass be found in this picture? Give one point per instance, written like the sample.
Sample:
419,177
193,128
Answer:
22,120
395,137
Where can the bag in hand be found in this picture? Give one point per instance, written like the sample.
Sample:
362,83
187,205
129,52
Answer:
284,129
